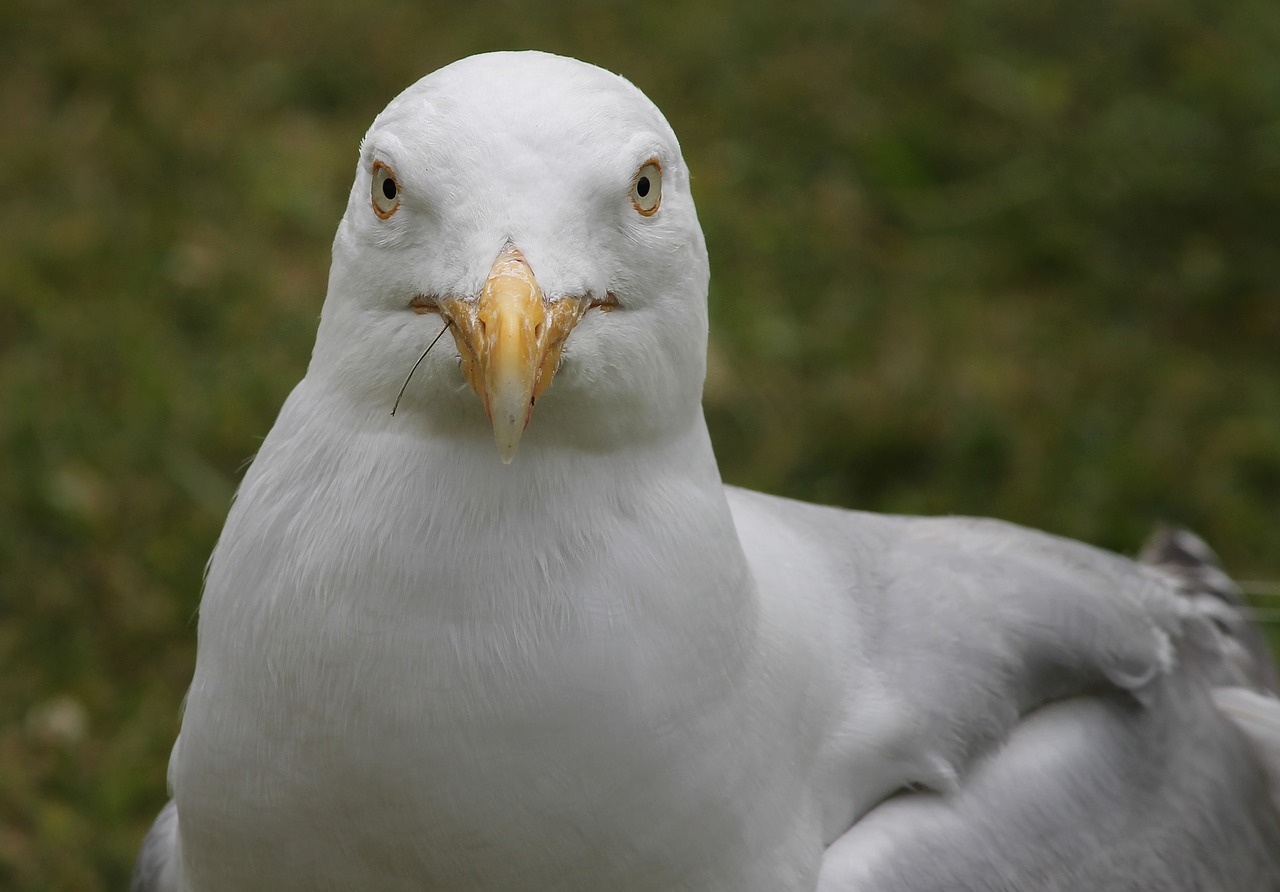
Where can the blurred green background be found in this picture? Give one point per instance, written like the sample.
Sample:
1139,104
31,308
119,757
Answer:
1017,259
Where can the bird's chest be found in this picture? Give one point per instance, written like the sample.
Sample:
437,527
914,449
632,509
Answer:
341,749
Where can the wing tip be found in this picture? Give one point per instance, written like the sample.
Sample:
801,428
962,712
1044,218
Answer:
1195,565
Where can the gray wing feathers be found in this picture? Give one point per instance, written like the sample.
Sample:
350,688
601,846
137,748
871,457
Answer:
156,869
1241,648
1109,765
1097,793
981,622
1195,572
957,627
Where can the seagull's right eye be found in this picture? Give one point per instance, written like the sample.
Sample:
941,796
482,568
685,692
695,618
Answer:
385,191
646,188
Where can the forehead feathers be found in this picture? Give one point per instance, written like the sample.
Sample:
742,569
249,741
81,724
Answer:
504,111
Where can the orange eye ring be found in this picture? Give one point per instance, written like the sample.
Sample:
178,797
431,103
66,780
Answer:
646,188
384,191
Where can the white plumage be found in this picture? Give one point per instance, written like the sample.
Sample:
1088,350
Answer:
596,667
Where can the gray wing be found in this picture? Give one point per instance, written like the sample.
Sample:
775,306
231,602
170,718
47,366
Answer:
156,869
1103,790
1096,793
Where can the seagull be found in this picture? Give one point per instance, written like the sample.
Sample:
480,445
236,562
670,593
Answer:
580,662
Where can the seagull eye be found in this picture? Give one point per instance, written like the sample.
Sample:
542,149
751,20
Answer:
646,188
385,191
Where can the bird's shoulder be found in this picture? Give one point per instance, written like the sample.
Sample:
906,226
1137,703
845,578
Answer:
914,577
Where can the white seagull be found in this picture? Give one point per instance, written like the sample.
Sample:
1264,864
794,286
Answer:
589,666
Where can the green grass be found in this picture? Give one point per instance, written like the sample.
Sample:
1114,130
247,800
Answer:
1018,260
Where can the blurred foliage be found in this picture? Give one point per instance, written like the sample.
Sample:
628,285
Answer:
992,258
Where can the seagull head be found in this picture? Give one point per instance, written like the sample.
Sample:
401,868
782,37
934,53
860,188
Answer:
534,212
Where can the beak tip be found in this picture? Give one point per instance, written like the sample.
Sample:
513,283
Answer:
508,439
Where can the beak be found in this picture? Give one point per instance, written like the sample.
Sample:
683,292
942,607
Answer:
510,342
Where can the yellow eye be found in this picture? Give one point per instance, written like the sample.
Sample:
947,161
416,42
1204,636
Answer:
646,188
385,191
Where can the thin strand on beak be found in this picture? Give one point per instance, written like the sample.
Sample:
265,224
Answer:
509,338
438,336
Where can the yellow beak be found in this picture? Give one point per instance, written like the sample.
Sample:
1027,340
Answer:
510,342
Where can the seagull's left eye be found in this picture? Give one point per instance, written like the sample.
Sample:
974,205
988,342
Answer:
385,191
646,188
